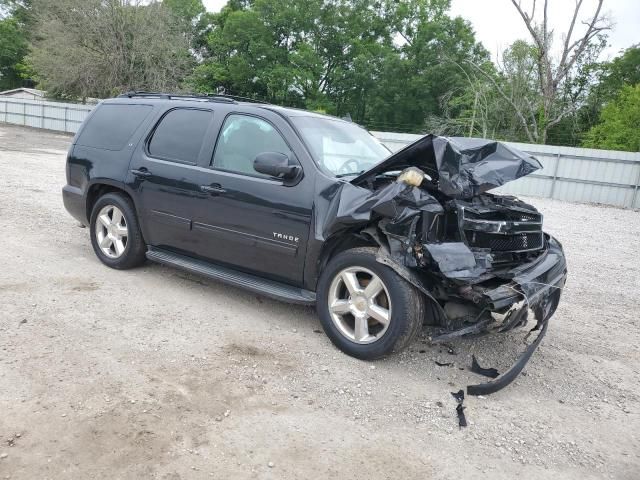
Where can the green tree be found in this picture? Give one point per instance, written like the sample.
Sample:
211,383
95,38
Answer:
622,70
609,78
384,63
619,126
98,48
192,18
13,48
14,35
605,80
187,10
19,9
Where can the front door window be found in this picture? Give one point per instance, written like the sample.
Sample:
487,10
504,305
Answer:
242,139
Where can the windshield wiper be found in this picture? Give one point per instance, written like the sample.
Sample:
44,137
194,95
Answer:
352,174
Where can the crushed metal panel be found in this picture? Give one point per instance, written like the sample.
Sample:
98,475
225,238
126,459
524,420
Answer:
346,205
460,167
455,260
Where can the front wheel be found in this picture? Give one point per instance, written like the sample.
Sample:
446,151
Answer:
367,309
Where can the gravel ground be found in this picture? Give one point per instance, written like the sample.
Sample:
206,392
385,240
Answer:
154,373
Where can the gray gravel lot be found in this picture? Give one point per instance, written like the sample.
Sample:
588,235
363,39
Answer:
154,373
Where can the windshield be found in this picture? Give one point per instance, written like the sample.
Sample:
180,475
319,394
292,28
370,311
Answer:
340,147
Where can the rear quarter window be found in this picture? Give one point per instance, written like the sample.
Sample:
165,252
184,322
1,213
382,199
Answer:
112,125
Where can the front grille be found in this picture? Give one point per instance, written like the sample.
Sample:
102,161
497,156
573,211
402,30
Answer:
502,230
518,242
509,216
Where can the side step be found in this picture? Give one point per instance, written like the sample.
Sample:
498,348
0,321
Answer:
269,288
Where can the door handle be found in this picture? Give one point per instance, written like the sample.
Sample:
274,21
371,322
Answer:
213,189
142,173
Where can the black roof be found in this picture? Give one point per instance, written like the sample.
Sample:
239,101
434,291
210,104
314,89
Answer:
225,99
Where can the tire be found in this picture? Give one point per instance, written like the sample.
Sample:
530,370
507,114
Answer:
405,313
433,315
129,252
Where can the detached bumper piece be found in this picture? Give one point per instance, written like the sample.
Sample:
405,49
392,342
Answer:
459,397
541,286
510,375
532,287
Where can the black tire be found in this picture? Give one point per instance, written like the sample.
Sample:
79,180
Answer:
433,314
407,306
135,247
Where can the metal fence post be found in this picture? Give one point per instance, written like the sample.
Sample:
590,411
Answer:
6,113
555,176
24,114
66,109
42,116
634,197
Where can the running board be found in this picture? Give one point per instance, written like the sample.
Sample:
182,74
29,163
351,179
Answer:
269,288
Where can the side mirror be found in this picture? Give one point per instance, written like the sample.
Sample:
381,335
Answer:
275,165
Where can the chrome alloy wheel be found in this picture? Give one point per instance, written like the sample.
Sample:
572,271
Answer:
359,305
111,231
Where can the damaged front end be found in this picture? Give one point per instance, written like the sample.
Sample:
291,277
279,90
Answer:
483,259
493,264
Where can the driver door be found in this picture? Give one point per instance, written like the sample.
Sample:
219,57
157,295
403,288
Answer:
251,221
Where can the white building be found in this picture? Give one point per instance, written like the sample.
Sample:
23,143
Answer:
23,93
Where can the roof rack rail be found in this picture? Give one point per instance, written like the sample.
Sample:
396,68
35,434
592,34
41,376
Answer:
178,96
236,97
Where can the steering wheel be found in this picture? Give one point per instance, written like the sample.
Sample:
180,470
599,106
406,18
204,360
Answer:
346,169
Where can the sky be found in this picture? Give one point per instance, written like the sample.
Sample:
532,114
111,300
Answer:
497,23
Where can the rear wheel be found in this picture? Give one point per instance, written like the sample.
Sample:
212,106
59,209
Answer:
366,309
115,233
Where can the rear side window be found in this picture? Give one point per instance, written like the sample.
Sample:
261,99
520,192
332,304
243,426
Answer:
180,135
111,126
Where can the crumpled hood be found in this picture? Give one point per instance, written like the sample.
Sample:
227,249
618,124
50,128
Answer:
460,167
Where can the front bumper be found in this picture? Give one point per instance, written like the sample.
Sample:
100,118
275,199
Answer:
535,286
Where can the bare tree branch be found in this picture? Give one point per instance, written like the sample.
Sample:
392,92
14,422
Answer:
528,21
510,101
551,78
561,116
565,50
533,9
581,44
406,39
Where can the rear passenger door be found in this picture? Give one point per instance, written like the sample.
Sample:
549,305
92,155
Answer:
165,174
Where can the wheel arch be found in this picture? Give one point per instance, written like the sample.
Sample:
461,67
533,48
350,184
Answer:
338,243
101,187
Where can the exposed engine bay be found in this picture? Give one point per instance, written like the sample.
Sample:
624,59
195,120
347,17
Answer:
483,259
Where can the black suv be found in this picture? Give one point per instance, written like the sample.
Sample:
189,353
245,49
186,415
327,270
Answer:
311,209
